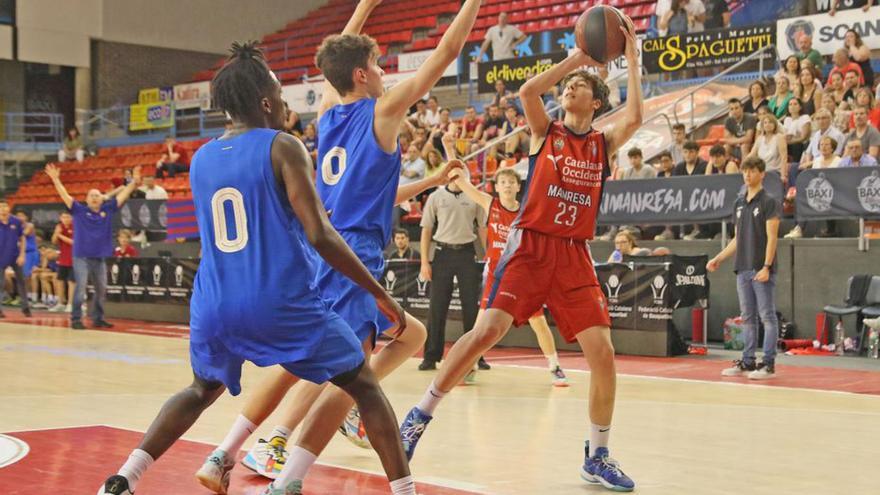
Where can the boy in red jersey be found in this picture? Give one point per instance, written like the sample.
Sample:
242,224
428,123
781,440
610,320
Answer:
547,260
502,212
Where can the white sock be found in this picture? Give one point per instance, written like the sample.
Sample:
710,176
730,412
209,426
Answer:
431,399
599,437
241,430
403,486
280,431
552,361
134,468
299,461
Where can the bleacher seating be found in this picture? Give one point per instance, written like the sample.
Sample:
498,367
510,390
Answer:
291,51
98,172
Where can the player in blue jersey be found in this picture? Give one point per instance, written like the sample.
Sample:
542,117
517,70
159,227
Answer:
254,298
358,173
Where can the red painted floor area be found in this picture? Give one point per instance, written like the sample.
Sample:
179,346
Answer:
690,368
75,461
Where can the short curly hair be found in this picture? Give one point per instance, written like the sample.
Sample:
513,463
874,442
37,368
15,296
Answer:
600,89
339,55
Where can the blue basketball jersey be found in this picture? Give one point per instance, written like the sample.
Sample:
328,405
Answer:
357,179
254,288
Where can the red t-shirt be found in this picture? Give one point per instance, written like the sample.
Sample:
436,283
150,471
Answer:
500,220
180,150
470,126
128,252
850,66
565,189
65,257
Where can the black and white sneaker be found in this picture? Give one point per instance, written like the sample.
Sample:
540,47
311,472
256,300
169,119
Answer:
115,485
764,371
739,368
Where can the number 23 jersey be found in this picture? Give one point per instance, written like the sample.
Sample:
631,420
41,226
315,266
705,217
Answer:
564,187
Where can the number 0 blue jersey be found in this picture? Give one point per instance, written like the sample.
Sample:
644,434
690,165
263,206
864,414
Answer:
254,290
357,179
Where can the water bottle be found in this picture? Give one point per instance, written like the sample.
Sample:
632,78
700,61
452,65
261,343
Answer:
873,343
616,256
839,336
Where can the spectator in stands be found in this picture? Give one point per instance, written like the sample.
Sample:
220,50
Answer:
850,86
679,136
637,169
503,38
516,143
459,222
720,162
809,91
856,157
860,54
175,159
680,16
807,52
789,68
757,97
152,190
771,148
797,128
72,147
434,109
12,253
842,65
501,93
828,158
310,140
665,164
420,118
692,163
492,125
864,132
63,238
93,243
835,88
739,129
625,245
434,162
412,167
824,129
471,129
124,249
293,124
848,4
717,14
865,98
754,248
778,103
402,250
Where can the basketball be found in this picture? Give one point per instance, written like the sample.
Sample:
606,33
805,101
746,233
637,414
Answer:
597,33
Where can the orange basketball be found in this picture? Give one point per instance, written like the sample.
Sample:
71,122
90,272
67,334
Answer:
597,33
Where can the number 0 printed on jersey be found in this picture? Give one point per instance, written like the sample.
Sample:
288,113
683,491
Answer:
230,220
333,165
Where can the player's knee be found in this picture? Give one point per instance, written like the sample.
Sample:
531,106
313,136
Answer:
603,353
206,391
416,332
489,335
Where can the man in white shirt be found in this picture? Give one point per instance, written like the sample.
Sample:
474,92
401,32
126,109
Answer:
151,190
503,37
412,167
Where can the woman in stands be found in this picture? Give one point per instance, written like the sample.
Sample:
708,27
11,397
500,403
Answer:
835,87
809,91
865,98
789,69
771,147
778,104
625,245
757,97
797,127
860,54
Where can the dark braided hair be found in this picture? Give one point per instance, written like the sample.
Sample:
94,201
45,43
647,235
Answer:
242,82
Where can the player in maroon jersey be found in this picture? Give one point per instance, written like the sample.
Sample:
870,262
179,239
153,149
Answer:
502,212
547,259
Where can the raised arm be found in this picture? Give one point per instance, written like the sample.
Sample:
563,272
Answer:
55,174
393,105
530,93
293,169
125,193
413,189
330,97
633,112
481,198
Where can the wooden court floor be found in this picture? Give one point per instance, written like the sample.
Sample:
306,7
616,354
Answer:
79,399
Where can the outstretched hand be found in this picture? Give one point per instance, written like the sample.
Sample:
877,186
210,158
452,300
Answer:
445,175
53,171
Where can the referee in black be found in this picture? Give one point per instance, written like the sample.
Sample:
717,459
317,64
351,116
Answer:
458,222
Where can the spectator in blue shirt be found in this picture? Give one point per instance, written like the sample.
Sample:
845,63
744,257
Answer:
93,242
856,157
12,253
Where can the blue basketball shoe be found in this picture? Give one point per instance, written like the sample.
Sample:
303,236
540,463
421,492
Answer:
602,469
411,430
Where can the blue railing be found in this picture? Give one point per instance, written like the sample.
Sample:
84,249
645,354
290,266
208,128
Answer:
31,131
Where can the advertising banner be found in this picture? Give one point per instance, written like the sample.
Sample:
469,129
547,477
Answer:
711,48
514,71
838,193
150,116
155,95
193,95
828,32
408,62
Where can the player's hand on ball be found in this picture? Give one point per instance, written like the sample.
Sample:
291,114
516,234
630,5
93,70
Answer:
445,174
631,51
395,314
